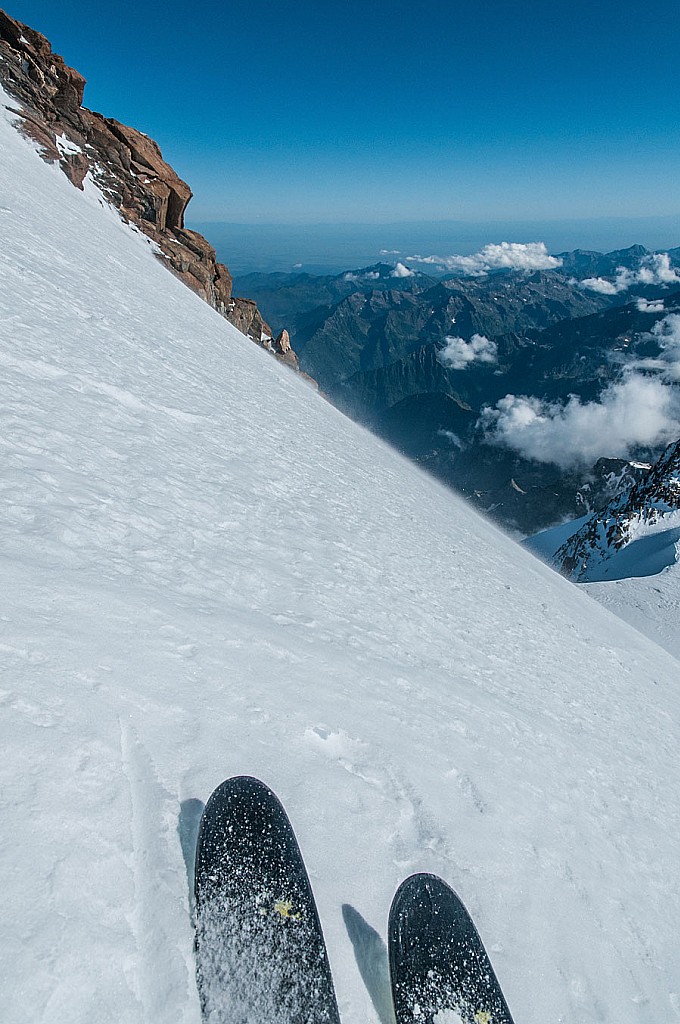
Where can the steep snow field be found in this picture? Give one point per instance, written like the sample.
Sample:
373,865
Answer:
640,583
207,570
649,603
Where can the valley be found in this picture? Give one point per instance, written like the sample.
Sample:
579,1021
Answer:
392,348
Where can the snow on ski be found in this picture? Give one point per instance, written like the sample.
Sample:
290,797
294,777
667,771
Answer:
260,951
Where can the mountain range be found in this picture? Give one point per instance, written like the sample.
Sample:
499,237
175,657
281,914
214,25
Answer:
376,340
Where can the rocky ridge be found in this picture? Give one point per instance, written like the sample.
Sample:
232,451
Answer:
126,165
652,502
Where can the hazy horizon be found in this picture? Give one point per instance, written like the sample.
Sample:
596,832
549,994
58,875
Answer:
333,247
318,112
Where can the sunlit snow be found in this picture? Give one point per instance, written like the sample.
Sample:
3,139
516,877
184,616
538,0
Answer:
640,582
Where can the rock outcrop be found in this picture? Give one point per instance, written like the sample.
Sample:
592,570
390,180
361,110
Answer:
127,166
651,504
282,348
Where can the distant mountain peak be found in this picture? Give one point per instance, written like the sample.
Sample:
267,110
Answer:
651,506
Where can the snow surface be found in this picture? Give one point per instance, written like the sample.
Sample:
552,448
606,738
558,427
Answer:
546,543
650,604
653,548
207,570
640,583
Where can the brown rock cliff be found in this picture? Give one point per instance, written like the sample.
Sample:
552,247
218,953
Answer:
127,166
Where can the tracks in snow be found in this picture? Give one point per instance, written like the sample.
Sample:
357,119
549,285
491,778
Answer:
162,973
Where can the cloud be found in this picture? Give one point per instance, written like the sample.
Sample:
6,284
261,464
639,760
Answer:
653,269
390,252
655,306
667,334
372,275
496,256
401,271
599,284
458,354
638,411
453,438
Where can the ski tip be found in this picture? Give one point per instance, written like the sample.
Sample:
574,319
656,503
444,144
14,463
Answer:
425,883
241,789
437,957
240,784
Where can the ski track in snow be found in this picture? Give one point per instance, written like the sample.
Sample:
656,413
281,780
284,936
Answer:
163,973
208,571
413,831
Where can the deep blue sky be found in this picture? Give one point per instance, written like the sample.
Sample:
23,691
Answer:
305,110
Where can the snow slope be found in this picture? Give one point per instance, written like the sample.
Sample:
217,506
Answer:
649,600
649,603
627,555
207,570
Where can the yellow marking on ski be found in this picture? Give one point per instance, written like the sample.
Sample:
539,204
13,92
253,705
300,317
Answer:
483,1017
285,909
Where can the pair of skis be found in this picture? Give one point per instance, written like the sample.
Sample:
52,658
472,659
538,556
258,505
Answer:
260,951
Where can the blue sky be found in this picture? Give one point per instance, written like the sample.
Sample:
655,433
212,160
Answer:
308,111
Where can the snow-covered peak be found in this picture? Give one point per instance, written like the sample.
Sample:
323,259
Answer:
206,571
637,534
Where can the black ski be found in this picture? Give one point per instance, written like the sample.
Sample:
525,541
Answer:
260,951
438,965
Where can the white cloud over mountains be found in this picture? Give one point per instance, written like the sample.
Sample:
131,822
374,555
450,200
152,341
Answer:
495,256
598,284
401,271
653,269
641,409
371,275
458,354
638,411
667,333
655,306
